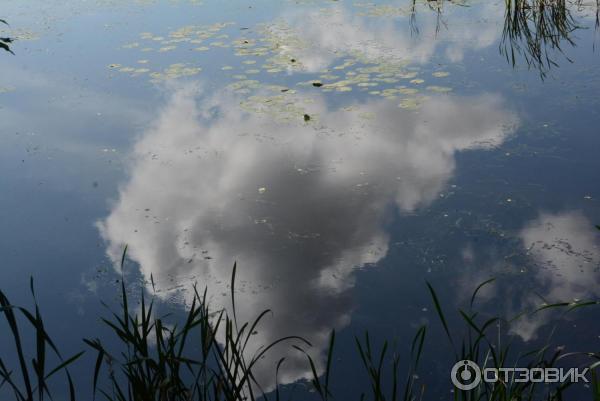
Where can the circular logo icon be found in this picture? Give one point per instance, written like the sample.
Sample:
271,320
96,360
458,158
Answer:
465,375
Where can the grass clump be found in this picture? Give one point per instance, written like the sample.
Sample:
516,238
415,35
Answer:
156,362
481,342
31,381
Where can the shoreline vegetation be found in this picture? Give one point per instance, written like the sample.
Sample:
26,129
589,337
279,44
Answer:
203,358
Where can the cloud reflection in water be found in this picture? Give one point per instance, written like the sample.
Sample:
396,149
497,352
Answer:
566,253
318,38
299,205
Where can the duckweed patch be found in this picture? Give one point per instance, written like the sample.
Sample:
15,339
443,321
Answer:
277,52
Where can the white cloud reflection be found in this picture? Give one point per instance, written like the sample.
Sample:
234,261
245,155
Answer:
566,251
319,37
298,205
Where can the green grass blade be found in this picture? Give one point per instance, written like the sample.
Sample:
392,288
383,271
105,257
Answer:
479,287
440,313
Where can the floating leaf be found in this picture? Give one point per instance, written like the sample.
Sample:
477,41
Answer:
440,89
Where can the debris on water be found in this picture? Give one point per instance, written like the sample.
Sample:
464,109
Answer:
440,74
306,117
410,103
167,48
369,9
262,190
407,91
439,89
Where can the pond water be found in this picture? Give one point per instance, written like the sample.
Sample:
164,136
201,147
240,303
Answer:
342,153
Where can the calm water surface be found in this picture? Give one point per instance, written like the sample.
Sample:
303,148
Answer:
343,153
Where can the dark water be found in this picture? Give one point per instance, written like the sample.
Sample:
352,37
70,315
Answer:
342,153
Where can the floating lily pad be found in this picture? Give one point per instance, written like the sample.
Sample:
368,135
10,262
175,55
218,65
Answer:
440,89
